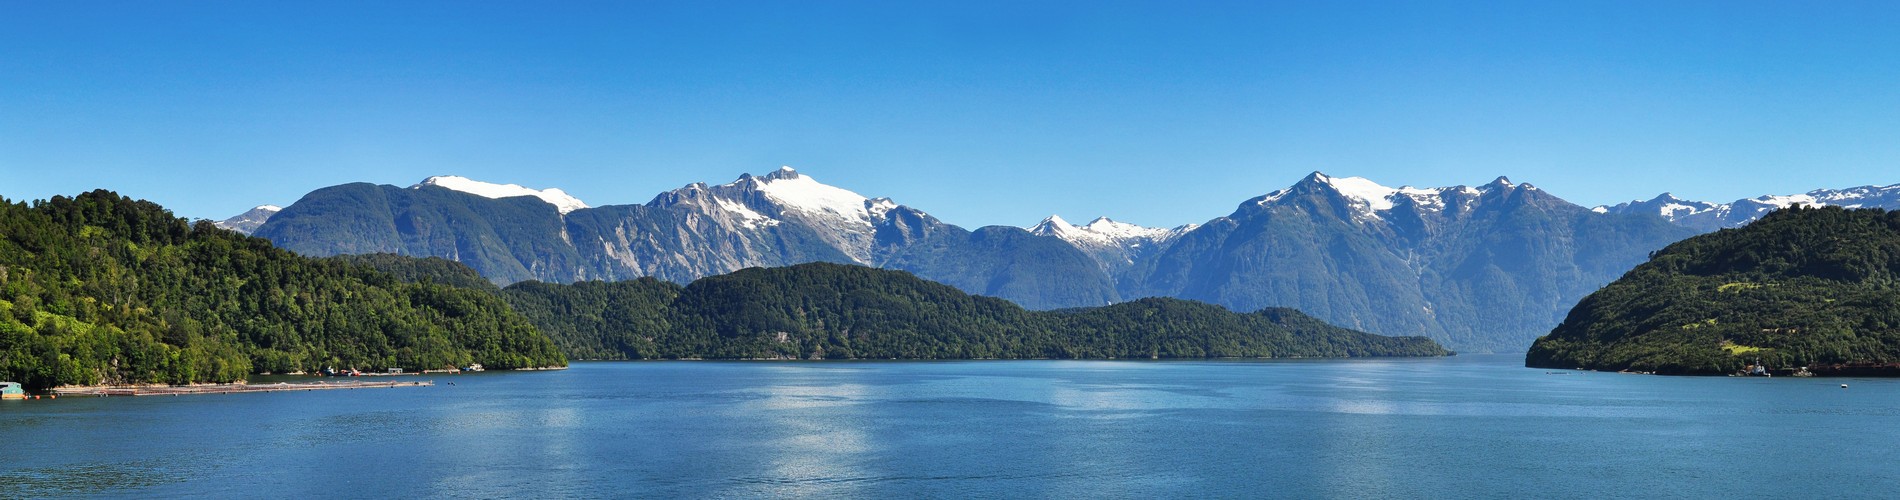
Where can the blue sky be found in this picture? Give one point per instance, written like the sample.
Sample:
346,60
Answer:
1159,113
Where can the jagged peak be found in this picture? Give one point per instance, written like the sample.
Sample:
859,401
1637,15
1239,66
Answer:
793,190
1052,225
1100,230
1362,191
1369,200
553,196
784,172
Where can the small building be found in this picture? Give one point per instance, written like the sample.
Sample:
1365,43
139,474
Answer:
11,390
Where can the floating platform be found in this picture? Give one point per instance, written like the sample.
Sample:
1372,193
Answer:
229,388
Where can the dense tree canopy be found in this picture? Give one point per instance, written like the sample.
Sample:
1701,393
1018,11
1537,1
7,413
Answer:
102,289
833,311
1800,287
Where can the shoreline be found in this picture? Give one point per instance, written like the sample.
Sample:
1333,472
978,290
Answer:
198,389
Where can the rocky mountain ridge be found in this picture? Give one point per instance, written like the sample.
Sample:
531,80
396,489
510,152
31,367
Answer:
1707,216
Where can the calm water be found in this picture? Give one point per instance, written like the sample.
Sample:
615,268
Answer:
1458,427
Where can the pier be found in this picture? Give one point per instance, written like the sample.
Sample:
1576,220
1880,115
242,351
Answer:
229,388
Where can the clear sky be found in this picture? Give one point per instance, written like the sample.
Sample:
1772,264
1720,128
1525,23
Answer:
1158,113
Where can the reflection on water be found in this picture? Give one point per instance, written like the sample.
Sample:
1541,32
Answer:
814,442
1464,426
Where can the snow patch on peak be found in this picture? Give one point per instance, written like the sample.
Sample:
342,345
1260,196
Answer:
1052,222
1363,190
553,196
880,206
747,217
785,172
1376,197
801,192
1102,231
1788,201
250,220
1122,230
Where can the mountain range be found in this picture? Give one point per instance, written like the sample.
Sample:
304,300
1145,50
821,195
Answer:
510,234
1485,268
1705,216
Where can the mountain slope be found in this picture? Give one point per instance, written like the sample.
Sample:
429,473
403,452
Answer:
507,239
1482,269
833,311
1800,287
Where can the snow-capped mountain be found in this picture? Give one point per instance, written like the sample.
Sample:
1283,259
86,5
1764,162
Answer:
1363,200
1114,245
249,221
1102,230
554,196
1706,216
1479,268
1484,268
777,219
846,220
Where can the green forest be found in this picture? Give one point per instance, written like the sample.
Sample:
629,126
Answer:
1802,287
103,289
834,311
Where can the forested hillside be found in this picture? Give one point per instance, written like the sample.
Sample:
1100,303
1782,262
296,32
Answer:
832,311
103,289
1799,287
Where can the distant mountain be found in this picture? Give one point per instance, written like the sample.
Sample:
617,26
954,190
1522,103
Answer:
831,311
250,220
1813,287
698,230
560,199
1704,216
1482,268
1113,245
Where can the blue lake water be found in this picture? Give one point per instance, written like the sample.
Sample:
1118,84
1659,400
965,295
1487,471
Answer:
1467,426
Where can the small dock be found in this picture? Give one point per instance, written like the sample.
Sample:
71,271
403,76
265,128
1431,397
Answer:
229,388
